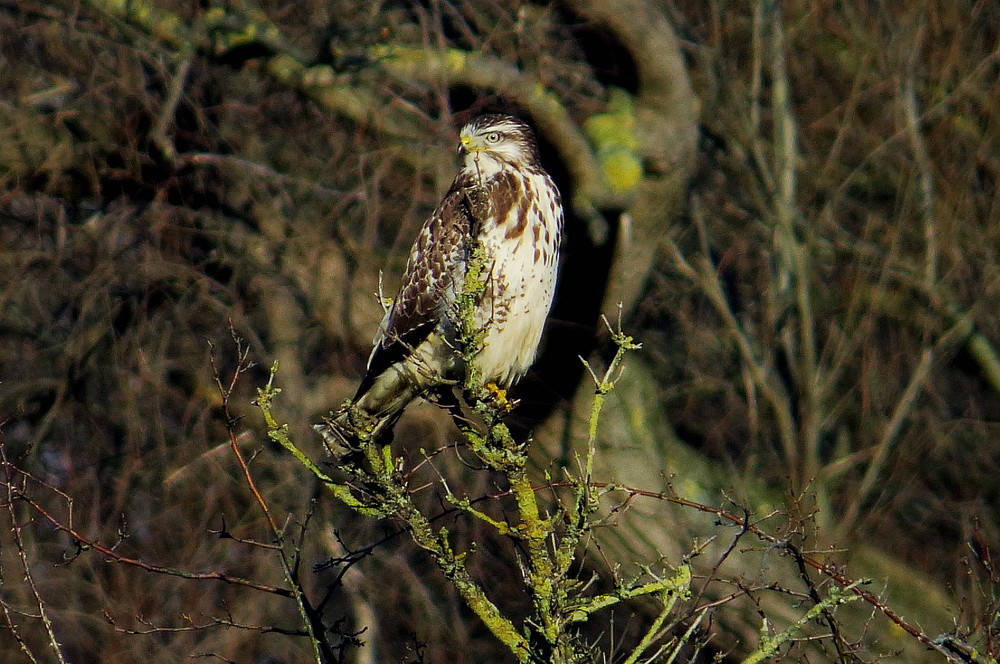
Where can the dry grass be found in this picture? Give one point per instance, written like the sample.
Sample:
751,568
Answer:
896,207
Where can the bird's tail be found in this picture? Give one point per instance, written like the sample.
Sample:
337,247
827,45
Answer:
369,417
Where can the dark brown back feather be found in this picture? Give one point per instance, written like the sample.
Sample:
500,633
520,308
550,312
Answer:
434,265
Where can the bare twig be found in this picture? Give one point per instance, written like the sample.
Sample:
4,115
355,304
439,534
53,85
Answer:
84,543
158,134
12,495
827,570
289,565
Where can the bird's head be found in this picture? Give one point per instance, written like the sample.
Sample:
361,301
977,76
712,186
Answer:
492,141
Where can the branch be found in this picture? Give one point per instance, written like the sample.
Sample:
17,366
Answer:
769,644
387,496
826,570
454,66
84,543
12,495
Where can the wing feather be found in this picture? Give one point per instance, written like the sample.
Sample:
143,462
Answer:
436,263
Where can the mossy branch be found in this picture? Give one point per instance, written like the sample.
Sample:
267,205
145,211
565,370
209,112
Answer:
216,31
550,540
279,434
672,589
550,536
770,643
389,498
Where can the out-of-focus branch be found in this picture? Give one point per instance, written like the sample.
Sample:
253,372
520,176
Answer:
706,279
904,406
665,125
793,265
484,72
216,31
158,134
160,24
664,89
908,101
333,93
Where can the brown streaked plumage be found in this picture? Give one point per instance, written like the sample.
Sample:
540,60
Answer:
502,197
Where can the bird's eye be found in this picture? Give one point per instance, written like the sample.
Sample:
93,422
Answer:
493,137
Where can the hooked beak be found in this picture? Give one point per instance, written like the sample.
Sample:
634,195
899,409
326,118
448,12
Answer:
468,145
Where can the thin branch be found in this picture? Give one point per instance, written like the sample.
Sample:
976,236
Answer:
43,614
904,406
705,277
84,543
827,570
908,100
321,649
158,134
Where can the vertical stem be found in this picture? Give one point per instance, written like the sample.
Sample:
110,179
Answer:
908,99
316,638
794,254
533,528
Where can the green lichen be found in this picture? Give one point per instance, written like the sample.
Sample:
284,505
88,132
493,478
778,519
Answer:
612,134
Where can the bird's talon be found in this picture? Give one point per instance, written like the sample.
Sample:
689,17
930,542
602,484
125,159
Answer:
499,396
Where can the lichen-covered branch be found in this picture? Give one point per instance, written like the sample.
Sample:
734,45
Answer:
770,643
387,497
550,535
664,113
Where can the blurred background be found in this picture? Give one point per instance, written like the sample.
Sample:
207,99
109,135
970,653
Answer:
793,207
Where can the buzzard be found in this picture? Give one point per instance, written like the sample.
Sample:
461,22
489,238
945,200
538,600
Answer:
503,202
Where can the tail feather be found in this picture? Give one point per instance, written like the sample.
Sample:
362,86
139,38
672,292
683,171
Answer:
386,391
371,415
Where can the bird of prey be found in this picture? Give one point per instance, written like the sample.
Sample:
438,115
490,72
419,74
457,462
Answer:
505,203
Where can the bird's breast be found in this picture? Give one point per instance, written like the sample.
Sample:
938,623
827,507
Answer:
521,242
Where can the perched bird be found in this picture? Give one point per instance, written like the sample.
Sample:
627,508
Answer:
502,201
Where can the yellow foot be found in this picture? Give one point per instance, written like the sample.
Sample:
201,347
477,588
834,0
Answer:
499,396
